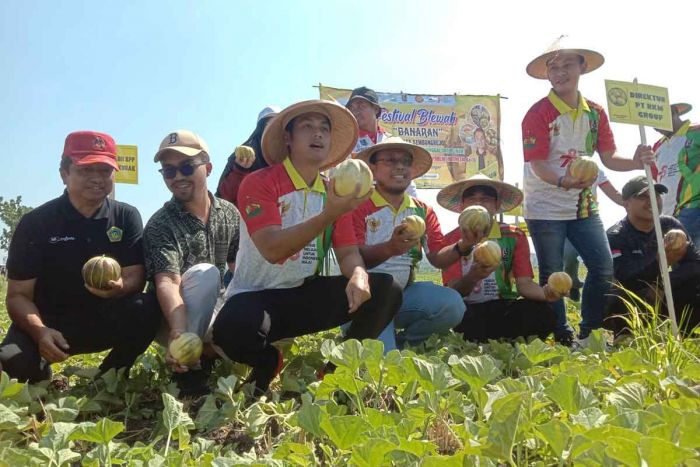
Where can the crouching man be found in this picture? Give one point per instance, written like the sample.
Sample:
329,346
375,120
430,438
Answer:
291,218
54,313
388,244
502,301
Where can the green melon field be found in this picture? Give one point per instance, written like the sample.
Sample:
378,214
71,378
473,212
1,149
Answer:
446,403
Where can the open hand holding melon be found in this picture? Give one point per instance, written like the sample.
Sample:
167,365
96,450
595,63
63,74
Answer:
560,282
415,225
583,169
348,174
186,349
487,254
99,270
475,219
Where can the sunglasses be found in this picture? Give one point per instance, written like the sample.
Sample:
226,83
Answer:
186,169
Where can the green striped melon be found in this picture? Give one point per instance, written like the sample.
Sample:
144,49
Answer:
186,349
99,270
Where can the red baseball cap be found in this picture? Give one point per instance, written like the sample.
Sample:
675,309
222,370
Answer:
91,147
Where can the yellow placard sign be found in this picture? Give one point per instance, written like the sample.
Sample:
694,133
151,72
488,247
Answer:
128,160
638,104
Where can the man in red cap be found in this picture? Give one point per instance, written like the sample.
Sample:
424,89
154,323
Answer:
54,314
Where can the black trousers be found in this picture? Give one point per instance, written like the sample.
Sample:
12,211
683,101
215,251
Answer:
127,325
250,322
507,319
686,302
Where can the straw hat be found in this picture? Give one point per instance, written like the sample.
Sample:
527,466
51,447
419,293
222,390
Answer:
344,131
681,108
538,67
422,160
509,196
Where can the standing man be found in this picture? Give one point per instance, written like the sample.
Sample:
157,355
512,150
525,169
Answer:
189,244
635,253
558,129
678,168
54,314
364,105
291,218
492,294
388,246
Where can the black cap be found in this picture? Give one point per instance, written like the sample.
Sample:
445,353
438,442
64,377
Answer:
640,185
367,94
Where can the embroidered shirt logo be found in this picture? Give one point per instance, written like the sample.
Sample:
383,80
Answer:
529,142
115,234
61,239
253,210
373,224
284,208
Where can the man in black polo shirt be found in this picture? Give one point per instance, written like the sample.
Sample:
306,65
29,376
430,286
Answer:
636,265
54,314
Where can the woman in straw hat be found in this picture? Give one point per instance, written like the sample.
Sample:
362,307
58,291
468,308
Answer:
502,301
291,219
558,129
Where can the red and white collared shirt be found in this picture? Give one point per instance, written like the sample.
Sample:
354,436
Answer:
375,220
278,195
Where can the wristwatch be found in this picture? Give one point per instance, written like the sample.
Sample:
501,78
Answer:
463,253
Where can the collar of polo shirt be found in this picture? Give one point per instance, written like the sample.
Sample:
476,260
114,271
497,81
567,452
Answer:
564,108
298,181
379,202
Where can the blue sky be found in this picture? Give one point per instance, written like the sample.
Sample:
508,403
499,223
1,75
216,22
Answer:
138,70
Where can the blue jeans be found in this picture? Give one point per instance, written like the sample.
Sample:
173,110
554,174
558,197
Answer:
690,218
427,309
571,264
588,237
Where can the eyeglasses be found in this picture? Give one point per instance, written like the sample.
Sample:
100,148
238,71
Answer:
186,169
405,161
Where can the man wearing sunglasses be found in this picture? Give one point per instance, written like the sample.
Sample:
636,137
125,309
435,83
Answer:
388,245
54,313
190,243
291,219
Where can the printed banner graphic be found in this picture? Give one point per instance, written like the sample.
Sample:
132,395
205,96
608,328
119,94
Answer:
461,132
128,160
638,104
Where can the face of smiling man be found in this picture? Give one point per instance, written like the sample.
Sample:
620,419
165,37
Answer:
563,72
183,187
392,170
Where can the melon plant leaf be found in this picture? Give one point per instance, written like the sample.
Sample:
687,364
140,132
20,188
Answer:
631,396
8,418
309,416
556,434
371,452
657,452
538,352
566,391
345,431
101,432
477,372
504,425
64,409
629,360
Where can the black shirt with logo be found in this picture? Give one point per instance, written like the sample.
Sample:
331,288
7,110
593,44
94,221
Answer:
52,243
635,255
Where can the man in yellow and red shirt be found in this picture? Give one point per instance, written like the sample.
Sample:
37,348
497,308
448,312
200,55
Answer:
492,294
291,219
387,245
556,130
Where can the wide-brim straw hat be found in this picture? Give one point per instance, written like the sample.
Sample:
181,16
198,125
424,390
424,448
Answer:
538,67
344,131
509,196
422,160
681,108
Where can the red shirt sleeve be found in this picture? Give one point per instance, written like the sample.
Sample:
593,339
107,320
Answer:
535,129
359,221
258,199
521,257
455,270
433,231
606,142
344,231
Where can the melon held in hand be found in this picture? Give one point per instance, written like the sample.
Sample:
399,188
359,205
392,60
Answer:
475,219
348,174
415,225
487,253
583,169
675,240
99,270
186,349
560,282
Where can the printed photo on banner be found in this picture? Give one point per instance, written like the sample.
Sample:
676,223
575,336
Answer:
461,132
